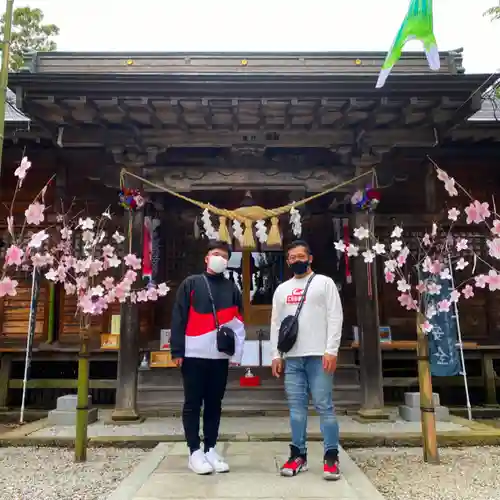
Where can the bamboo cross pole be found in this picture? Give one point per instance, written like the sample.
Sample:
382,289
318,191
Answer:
4,72
428,414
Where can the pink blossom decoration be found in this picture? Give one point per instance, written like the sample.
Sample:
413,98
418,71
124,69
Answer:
163,289
481,281
397,232
34,213
407,301
369,256
396,246
352,251
132,261
10,225
389,277
442,175
468,291
339,246
426,327
390,265
449,185
14,256
444,305
453,214
433,288
477,212
22,170
8,287
462,244
461,264
494,248
361,233
454,296
426,240
118,238
403,286
421,287
496,227
493,280
37,239
86,224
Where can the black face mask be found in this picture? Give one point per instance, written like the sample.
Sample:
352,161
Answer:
299,267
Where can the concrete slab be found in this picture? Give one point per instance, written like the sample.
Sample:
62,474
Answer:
133,483
68,417
254,475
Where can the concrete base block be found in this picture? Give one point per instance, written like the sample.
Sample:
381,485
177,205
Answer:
412,399
69,402
68,417
412,414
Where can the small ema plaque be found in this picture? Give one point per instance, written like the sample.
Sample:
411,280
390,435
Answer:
161,359
110,341
385,334
115,324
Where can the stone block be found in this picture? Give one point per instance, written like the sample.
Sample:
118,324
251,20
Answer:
412,414
68,417
412,399
69,402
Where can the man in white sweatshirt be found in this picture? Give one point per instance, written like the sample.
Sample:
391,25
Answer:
310,364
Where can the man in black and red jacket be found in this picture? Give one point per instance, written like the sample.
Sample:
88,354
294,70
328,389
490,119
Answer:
194,348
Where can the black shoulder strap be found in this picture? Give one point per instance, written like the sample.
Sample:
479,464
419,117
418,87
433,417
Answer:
303,298
212,302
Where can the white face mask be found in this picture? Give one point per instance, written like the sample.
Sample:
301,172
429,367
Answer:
217,264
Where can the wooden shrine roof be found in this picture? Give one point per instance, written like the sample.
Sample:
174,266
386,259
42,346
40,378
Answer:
361,62
157,101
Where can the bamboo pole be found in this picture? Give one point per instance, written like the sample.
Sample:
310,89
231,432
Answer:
428,415
4,72
82,405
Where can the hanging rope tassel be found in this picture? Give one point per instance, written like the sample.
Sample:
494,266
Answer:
274,237
223,230
248,239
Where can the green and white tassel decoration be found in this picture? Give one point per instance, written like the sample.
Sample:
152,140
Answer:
417,25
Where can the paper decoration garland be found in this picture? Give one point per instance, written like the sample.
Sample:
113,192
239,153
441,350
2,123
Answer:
295,221
417,25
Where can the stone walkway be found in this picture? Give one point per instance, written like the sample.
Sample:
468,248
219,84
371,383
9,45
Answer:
254,475
239,425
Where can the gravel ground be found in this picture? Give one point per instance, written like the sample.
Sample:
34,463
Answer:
51,474
464,474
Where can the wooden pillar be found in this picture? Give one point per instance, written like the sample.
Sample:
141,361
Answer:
5,368
128,355
370,356
489,377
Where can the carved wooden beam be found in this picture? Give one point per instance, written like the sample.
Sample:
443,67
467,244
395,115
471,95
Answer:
262,123
319,110
207,113
152,113
234,115
370,121
459,116
344,112
97,118
95,137
288,118
179,112
35,111
66,112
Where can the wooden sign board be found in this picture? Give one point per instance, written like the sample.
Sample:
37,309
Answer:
110,341
161,359
115,324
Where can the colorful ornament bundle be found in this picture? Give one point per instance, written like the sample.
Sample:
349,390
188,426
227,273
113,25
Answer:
366,199
131,199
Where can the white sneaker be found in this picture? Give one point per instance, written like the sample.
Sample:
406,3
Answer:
216,461
199,464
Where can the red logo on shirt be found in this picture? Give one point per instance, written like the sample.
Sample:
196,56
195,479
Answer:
295,297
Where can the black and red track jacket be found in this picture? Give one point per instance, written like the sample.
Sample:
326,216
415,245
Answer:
193,330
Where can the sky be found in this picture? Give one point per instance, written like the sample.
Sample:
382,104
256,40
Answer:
266,25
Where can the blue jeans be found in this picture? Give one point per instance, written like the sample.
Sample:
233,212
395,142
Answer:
304,375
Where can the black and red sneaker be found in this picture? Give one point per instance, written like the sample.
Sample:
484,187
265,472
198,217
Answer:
295,464
331,470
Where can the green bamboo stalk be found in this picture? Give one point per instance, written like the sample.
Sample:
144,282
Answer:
4,72
82,408
51,319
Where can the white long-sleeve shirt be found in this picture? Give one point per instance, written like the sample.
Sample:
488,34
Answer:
320,320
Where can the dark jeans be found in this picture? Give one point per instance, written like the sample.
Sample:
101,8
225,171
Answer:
204,384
